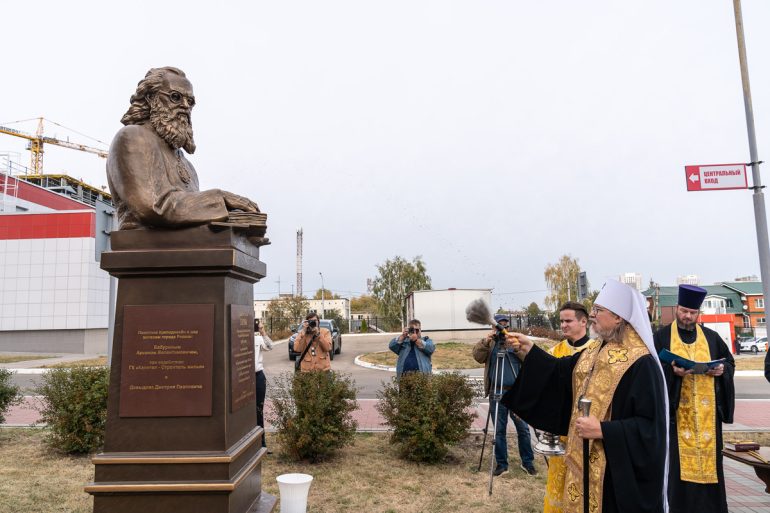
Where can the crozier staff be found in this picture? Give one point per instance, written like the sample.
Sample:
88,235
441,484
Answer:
626,430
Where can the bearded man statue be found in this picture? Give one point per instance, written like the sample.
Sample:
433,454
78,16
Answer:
153,185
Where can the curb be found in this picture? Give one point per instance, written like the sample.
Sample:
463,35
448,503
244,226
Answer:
749,374
358,361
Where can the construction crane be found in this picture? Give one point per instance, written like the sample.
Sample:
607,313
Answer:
37,140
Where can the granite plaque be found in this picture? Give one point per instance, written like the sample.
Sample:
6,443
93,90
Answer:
242,379
166,367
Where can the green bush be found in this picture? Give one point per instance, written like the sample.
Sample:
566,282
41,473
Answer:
428,413
10,394
364,326
74,406
312,413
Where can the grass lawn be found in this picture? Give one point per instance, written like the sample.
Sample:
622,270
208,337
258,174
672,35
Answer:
365,477
448,355
750,363
91,362
6,358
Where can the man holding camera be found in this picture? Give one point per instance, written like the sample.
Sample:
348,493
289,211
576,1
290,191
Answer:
414,352
314,345
485,351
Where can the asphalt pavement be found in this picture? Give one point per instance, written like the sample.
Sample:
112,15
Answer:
367,380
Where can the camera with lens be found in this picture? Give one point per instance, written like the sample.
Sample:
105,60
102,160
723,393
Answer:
311,325
412,330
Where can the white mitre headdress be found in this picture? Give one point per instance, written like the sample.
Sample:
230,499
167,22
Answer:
631,306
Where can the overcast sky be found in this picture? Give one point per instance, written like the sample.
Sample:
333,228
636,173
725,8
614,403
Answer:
490,137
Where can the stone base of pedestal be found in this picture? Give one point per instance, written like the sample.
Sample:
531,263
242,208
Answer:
181,433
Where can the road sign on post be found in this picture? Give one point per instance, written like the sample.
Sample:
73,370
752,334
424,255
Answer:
716,177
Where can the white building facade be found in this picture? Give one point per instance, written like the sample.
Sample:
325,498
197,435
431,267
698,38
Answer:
341,306
632,280
53,295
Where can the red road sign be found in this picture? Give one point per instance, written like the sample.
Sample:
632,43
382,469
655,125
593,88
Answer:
716,177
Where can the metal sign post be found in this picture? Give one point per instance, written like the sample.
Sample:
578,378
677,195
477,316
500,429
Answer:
760,215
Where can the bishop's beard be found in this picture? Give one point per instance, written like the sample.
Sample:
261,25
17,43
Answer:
175,130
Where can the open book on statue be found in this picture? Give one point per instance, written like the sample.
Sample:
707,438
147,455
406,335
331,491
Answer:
667,356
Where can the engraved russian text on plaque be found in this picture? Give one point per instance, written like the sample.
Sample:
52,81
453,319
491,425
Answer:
242,379
166,367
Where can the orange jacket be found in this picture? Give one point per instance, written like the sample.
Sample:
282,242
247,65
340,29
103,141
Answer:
323,346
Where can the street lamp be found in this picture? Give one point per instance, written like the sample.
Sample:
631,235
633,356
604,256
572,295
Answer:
323,309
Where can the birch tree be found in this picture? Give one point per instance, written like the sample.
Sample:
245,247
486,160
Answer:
396,279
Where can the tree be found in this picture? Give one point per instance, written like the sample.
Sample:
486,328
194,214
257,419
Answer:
334,315
327,294
533,309
286,310
395,279
535,316
364,304
561,279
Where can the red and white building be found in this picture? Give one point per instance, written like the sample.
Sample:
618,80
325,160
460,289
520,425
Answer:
53,295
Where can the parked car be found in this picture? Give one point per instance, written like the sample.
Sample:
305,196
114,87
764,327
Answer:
754,344
330,325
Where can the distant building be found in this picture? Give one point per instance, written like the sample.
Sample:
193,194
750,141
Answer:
752,305
688,279
752,277
742,302
53,295
341,306
632,280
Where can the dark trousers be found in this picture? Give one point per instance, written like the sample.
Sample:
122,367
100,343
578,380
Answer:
261,389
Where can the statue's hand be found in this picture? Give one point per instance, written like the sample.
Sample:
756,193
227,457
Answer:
235,202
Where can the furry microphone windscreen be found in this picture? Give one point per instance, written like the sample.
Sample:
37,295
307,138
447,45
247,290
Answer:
478,312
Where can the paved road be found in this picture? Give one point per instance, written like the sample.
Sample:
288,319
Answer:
369,380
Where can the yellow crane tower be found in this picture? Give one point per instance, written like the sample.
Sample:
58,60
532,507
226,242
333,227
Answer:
36,142
58,182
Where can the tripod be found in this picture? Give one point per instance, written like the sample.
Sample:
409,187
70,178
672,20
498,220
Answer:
495,394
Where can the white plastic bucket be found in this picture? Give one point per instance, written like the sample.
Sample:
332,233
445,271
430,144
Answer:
294,489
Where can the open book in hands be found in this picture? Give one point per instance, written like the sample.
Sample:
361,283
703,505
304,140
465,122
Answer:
667,356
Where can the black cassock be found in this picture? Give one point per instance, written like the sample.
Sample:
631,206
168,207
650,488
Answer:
685,496
634,437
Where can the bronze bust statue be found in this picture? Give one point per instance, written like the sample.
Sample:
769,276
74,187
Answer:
153,185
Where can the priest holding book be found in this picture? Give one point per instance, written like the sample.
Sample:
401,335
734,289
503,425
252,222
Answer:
699,404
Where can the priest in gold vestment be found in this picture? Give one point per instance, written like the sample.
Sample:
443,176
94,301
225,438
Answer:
699,404
627,426
573,319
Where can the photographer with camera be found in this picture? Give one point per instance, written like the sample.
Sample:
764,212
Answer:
485,351
314,343
413,351
261,343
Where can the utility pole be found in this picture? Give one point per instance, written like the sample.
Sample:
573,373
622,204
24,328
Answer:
760,214
299,262
279,286
323,290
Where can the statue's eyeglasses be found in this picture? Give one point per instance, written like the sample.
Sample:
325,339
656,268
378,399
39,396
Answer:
177,97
